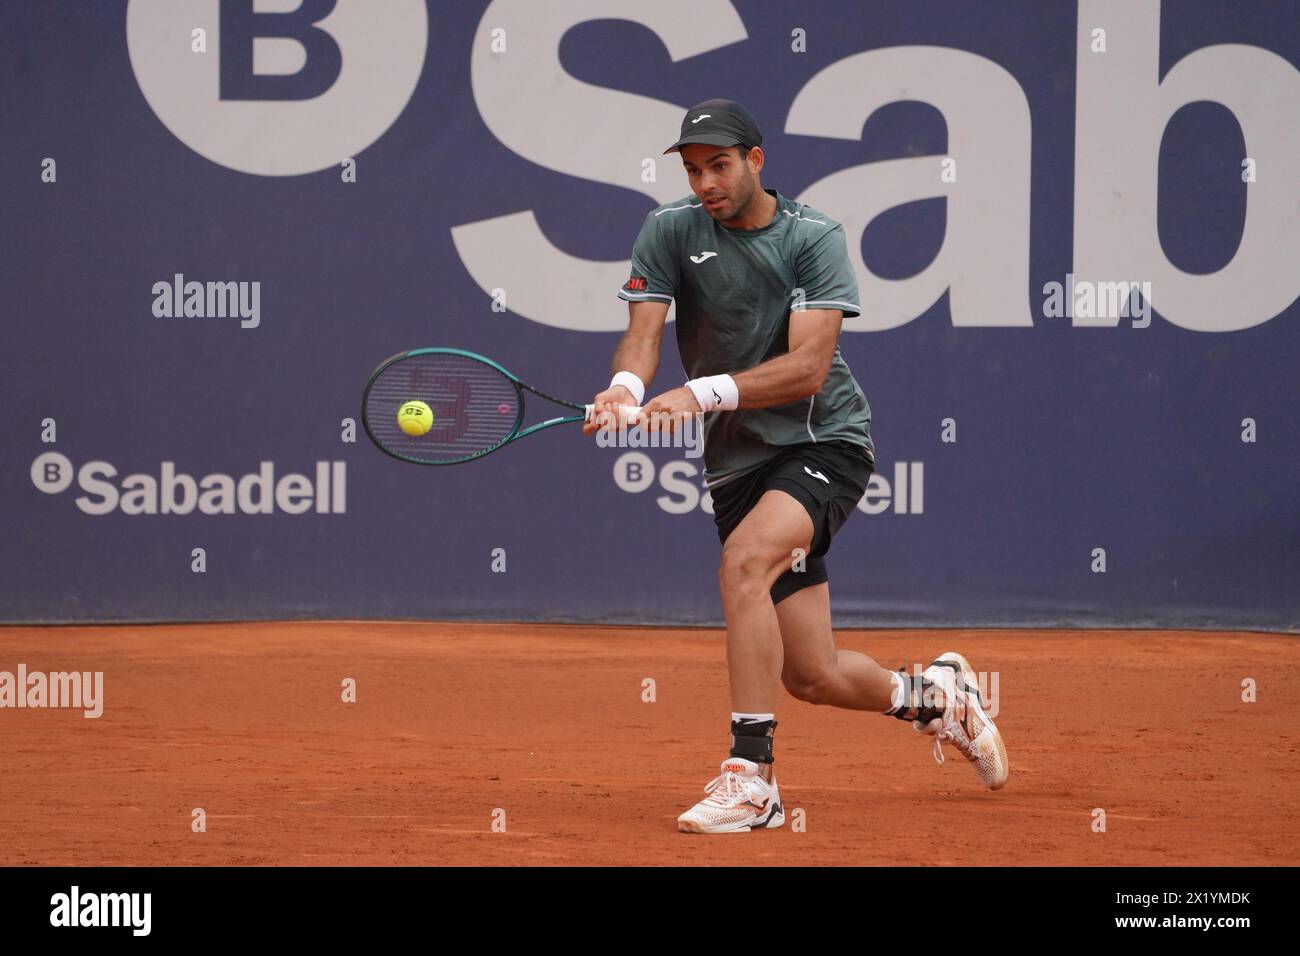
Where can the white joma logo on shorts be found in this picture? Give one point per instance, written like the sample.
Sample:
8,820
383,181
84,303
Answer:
816,474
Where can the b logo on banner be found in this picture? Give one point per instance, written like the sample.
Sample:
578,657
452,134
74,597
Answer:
289,86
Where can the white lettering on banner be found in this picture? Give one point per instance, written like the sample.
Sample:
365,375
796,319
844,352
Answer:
173,492
674,478
635,472
1122,112
543,114
364,59
344,78
907,494
984,261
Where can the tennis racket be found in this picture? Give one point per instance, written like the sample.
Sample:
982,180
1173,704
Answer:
477,406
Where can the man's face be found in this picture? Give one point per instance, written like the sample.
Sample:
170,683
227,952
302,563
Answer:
720,178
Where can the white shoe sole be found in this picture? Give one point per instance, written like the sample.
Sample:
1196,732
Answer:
688,825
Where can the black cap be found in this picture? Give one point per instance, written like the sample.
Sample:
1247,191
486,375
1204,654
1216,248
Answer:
718,123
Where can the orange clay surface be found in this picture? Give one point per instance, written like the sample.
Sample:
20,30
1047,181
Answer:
546,723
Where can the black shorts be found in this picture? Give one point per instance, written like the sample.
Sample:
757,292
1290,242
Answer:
828,478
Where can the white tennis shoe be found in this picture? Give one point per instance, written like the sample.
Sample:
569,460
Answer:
739,800
964,722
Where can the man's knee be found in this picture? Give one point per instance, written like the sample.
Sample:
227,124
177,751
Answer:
745,566
813,687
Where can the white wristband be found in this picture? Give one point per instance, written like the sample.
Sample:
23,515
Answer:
715,392
631,382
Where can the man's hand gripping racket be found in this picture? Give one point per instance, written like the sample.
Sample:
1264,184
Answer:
614,407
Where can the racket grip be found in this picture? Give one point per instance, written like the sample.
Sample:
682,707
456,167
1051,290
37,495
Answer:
628,414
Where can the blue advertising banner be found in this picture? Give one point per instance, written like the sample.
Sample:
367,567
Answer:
1075,229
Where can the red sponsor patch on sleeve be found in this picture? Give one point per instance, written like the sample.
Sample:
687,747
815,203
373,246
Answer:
635,284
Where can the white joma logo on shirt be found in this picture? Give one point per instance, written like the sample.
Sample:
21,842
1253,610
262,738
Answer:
701,257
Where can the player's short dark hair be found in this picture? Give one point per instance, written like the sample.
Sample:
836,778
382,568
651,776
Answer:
743,151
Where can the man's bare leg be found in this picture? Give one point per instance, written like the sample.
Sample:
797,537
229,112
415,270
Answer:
744,796
814,670
755,554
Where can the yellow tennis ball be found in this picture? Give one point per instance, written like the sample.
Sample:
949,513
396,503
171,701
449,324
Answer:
415,418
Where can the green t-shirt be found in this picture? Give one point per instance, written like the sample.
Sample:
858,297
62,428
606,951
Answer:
735,291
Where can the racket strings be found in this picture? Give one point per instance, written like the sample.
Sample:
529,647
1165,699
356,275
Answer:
475,407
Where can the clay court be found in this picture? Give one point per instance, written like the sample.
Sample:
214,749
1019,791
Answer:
453,721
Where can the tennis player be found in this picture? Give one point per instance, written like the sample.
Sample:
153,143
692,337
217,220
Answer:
762,283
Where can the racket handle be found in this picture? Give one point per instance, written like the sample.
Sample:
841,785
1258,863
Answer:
629,414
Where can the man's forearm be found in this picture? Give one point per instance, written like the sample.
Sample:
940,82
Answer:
634,354
786,378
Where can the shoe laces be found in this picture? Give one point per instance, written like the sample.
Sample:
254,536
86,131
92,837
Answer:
728,787
948,729
939,737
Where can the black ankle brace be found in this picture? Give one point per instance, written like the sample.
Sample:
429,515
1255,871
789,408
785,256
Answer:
753,741
919,697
